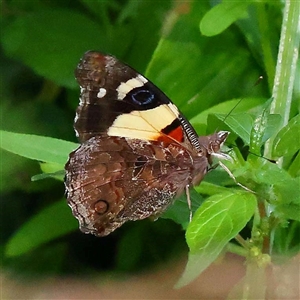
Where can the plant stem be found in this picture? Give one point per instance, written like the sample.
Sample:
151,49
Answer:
286,66
255,281
285,73
242,242
236,249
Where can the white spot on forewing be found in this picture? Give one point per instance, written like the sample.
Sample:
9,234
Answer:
125,87
101,93
145,125
142,78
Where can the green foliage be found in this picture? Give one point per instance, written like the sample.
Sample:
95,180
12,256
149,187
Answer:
24,40
207,60
288,135
50,223
220,218
222,16
37,147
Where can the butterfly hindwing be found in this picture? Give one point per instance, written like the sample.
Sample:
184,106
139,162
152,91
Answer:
112,180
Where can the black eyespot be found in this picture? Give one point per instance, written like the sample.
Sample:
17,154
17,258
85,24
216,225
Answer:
101,207
142,97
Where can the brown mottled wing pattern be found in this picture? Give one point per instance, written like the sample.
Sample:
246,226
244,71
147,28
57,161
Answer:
111,180
138,152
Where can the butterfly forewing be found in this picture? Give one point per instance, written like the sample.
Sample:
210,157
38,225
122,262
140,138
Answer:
115,100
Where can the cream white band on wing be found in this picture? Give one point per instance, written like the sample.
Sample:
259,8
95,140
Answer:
145,124
125,87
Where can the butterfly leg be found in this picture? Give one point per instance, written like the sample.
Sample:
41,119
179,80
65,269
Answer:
234,179
189,202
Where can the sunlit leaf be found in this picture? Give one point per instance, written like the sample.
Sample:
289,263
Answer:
222,16
294,169
257,131
47,167
36,147
51,222
215,223
287,141
272,126
275,185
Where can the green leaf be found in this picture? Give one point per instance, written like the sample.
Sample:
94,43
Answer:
274,185
50,170
143,42
52,41
47,167
240,124
222,16
225,107
294,169
257,131
225,213
219,219
210,188
272,126
191,69
265,125
289,211
287,141
179,211
36,147
59,175
52,222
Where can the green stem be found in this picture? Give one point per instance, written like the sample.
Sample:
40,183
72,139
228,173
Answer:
285,72
236,249
286,66
255,281
242,242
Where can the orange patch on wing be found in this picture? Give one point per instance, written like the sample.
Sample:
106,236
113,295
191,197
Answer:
176,134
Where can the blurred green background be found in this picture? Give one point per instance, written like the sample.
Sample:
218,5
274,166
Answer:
41,44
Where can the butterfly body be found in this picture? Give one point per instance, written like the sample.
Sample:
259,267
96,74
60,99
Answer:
138,152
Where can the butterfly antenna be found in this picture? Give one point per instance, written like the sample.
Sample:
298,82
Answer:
233,109
273,161
260,78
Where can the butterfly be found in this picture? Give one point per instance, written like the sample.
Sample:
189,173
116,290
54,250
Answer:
138,152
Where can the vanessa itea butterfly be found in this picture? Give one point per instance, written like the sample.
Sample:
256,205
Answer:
138,152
